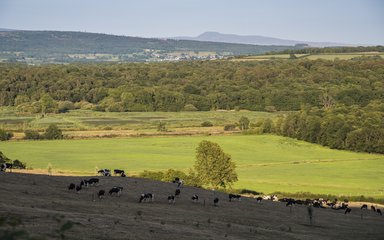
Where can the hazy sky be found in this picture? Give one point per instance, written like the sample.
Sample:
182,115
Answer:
343,21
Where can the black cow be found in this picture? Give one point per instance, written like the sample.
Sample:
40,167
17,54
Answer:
177,192
93,181
290,202
365,206
146,197
347,210
84,183
171,199
101,194
78,188
116,190
258,199
118,172
4,167
215,201
104,172
379,212
123,175
71,186
234,196
373,208
195,198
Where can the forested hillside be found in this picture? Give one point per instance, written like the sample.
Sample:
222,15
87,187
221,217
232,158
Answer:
56,46
340,100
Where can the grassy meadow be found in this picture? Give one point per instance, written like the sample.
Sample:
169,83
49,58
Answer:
265,163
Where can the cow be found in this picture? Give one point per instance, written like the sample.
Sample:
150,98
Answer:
195,198
123,175
215,201
93,181
116,190
146,197
177,192
84,183
365,206
71,186
373,208
4,167
101,194
78,188
171,199
118,172
347,210
290,202
379,212
258,199
234,196
104,172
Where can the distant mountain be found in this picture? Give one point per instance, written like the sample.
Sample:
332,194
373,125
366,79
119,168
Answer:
6,30
255,40
59,46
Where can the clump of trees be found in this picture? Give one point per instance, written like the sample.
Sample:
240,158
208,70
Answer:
5,135
51,133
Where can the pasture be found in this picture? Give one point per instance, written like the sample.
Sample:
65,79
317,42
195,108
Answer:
87,122
264,162
45,209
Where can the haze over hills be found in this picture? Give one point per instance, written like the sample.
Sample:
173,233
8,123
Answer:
254,39
64,46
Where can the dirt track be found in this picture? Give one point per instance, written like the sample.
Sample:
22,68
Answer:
44,205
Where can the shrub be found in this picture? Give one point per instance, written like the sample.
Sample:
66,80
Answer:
31,134
4,135
161,127
206,124
229,127
270,108
18,164
53,132
190,108
64,106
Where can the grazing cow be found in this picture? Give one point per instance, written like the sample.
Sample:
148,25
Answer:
116,190
258,199
373,208
234,196
104,172
78,188
177,192
4,167
347,210
290,202
171,199
101,194
146,197
71,186
123,175
365,206
215,201
118,172
195,198
84,183
93,181
379,212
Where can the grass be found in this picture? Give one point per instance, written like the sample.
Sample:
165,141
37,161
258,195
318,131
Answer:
265,163
12,120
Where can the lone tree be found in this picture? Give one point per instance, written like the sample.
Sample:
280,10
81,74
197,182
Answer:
53,132
213,166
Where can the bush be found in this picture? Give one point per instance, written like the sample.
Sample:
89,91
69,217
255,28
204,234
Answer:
31,134
161,127
64,106
206,124
19,165
229,127
4,135
190,108
53,132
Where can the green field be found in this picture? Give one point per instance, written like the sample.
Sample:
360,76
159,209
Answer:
264,162
12,120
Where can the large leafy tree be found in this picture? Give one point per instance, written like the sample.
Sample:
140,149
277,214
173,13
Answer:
213,166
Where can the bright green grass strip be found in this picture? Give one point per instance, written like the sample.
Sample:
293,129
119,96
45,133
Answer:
264,162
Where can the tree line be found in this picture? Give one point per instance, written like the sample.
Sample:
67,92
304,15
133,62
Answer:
192,86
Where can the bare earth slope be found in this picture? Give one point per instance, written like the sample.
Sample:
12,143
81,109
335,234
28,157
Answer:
44,205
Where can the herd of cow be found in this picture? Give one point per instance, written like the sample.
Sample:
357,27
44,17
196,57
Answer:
149,197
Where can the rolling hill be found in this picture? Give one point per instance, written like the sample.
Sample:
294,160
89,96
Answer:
58,46
45,209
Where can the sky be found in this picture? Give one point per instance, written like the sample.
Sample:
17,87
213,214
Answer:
340,21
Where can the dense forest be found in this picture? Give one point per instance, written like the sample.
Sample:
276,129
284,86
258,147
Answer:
338,100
